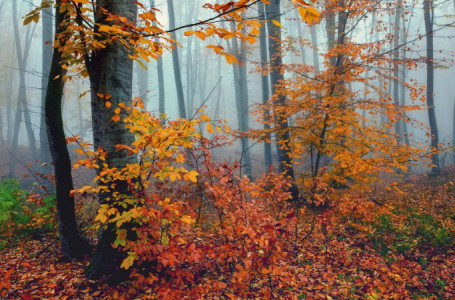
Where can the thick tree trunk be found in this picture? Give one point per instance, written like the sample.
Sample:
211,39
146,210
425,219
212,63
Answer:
111,73
276,77
176,63
429,17
71,242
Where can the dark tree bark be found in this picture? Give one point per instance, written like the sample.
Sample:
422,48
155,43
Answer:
428,12
111,72
176,63
71,242
276,77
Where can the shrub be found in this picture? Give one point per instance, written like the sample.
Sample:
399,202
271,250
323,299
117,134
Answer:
23,213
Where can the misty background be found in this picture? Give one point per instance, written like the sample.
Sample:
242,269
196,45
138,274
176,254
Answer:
206,77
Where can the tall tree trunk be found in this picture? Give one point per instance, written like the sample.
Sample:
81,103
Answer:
46,49
160,74
396,98
299,35
71,242
241,97
276,77
429,18
176,63
22,107
111,72
453,132
265,88
314,44
404,69
142,82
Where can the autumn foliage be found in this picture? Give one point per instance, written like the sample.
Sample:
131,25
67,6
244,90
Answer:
188,225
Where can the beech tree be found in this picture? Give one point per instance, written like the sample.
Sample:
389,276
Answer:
111,73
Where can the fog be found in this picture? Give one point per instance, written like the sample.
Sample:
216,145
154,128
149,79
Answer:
207,78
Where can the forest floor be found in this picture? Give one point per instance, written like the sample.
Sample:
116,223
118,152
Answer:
37,269
404,251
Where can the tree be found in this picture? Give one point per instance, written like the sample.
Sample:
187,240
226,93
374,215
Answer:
47,32
111,73
176,62
428,12
241,98
22,105
265,88
276,78
72,243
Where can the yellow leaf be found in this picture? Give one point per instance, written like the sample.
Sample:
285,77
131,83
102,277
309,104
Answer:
277,23
193,176
141,64
127,262
187,220
117,110
101,217
209,128
108,104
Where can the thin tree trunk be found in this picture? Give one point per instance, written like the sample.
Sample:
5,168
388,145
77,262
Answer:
404,69
176,63
22,107
429,18
265,89
314,44
299,35
396,98
71,242
46,49
241,99
160,74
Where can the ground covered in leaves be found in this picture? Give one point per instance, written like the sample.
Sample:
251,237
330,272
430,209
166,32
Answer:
351,259
349,269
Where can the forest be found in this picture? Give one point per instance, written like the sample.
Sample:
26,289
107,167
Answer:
215,149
